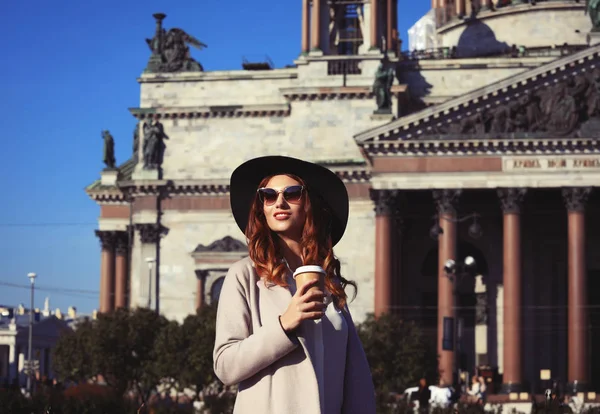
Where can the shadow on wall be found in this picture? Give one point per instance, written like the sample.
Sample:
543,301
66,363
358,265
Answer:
479,40
418,88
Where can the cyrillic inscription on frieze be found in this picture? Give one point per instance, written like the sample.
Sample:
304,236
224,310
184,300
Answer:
551,163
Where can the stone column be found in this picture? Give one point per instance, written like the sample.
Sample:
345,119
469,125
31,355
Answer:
460,8
511,200
374,24
12,363
122,250
305,26
200,280
468,8
389,43
316,26
150,235
107,270
486,5
385,209
575,200
446,201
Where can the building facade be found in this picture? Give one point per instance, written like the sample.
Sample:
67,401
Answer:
489,150
14,341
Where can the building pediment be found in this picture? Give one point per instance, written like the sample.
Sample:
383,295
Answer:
225,245
553,101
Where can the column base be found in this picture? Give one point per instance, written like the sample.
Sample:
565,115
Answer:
576,386
511,387
315,52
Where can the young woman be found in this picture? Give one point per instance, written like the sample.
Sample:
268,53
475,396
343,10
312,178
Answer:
290,350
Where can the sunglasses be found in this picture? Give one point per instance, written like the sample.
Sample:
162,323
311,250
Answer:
291,194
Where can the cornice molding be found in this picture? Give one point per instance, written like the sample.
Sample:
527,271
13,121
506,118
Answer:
530,146
215,111
132,189
337,92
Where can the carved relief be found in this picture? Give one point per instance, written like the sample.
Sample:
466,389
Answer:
552,110
387,202
226,244
446,200
511,199
576,197
151,232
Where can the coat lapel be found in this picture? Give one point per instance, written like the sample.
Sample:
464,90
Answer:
275,299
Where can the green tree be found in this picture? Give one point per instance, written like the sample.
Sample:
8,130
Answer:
111,353
170,355
71,358
145,327
398,353
198,332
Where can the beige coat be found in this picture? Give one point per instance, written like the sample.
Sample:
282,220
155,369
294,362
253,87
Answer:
275,373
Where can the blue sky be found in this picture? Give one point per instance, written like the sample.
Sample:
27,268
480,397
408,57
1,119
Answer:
69,70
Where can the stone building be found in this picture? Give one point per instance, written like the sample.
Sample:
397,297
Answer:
489,150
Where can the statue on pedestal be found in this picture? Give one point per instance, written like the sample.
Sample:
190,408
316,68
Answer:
108,156
382,87
170,50
154,146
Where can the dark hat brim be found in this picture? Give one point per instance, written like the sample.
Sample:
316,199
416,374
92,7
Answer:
320,180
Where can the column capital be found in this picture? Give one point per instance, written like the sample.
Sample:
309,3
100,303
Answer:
107,238
575,198
511,199
387,202
122,242
151,232
446,200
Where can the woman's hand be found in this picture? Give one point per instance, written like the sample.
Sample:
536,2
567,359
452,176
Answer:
305,304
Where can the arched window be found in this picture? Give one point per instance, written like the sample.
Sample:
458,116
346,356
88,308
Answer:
215,290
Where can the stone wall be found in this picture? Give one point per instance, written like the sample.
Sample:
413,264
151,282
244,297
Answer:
315,130
435,81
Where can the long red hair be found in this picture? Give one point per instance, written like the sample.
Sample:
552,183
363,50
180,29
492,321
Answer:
317,247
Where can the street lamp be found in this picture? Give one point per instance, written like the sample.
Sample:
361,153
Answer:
474,230
31,277
455,272
150,261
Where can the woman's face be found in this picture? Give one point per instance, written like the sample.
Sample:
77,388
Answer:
285,216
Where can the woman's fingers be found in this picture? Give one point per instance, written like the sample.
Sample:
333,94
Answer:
312,296
304,288
311,307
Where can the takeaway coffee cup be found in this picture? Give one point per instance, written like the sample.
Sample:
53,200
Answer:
303,274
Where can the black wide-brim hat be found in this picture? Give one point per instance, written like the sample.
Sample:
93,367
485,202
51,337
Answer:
319,181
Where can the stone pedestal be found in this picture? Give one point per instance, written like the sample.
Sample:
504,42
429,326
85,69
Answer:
593,38
382,117
109,176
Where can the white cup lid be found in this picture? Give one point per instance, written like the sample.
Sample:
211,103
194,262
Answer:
309,268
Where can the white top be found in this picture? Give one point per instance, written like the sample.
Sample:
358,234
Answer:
333,326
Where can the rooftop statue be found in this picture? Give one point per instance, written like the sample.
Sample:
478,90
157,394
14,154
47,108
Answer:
154,146
593,8
108,156
170,50
382,87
